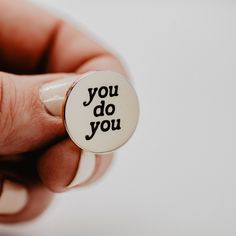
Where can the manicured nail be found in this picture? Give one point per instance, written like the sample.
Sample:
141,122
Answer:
85,169
53,94
13,198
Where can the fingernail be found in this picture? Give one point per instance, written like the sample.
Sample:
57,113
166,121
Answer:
85,169
13,198
53,94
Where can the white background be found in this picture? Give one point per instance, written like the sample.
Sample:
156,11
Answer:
177,175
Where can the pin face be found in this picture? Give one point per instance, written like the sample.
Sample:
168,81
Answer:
101,111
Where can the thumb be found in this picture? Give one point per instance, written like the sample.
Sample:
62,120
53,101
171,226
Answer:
24,123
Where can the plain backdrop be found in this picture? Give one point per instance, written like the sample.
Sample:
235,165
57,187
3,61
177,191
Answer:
177,174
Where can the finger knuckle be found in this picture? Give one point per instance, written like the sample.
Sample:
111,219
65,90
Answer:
7,100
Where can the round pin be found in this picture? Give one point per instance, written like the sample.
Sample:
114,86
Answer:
101,111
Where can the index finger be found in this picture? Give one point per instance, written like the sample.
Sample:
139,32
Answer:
33,41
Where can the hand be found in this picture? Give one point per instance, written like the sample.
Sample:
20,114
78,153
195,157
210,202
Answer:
36,157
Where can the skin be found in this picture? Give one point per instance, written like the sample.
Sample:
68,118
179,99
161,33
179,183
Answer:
35,48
